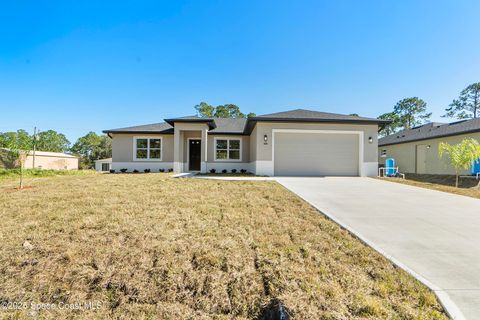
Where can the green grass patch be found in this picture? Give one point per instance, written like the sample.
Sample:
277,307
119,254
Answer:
6,174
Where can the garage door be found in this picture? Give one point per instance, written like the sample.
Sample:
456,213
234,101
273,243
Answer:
315,154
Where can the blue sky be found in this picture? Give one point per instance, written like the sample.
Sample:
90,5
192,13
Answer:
79,66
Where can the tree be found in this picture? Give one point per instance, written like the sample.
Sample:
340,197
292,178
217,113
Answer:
222,111
411,112
19,145
21,137
392,127
205,110
461,155
52,141
467,106
92,147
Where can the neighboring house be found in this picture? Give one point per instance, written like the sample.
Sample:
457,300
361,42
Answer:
103,164
43,160
293,143
416,150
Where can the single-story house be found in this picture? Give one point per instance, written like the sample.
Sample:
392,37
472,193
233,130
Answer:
416,150
292,143
42,160
103,164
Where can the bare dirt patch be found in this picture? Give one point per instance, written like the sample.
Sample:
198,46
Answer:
149,246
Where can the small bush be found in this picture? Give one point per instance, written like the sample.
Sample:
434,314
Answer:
224,171
170,170
213,170
162,170
234,170
123,170
146,170
135,171
243,171
112,170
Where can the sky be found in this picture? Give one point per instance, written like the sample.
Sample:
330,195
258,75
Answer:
80,66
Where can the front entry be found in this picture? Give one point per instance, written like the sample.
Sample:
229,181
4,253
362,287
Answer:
194,154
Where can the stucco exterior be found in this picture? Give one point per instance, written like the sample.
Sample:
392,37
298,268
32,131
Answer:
407,155
263,161
350,141
51,160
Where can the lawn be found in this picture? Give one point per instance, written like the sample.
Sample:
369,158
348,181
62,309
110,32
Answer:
446,183
148,246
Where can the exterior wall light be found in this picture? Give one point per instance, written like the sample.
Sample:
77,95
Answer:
265,139
370,140
428,147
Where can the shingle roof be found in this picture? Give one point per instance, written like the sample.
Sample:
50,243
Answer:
302,114
245,125
161,127
432,130
229,125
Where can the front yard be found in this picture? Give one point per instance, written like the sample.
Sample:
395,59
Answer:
150,246
446,183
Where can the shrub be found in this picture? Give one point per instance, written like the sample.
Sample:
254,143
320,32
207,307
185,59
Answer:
243,171
112,170
146,170
123,170
234,170
213,170
224,171
162,170
135,171
170,170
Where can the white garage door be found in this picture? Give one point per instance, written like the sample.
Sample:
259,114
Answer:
316,154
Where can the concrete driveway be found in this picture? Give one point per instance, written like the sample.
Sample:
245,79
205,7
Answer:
434,235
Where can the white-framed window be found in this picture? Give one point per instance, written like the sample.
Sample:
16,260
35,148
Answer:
105,166
384,153
228,149
147,148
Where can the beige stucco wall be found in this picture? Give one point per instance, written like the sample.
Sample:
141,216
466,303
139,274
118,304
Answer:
52,162
264,151
122,147
405,154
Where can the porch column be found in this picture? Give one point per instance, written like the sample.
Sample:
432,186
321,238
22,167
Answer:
204,150
177,163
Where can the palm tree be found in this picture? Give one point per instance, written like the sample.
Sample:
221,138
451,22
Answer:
461,155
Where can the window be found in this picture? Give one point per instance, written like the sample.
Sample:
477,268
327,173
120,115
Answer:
227,149
148,149
105,166
384,153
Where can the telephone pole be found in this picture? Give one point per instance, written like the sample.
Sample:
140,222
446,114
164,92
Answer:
34,146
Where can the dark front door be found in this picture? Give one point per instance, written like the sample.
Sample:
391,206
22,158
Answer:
194,154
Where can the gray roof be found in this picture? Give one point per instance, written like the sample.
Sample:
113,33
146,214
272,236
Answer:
245,125
161,127
229,125
309,115
432,130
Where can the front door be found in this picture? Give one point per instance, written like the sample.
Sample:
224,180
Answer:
194,154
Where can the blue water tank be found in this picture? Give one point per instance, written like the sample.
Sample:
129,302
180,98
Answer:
475,167
390,167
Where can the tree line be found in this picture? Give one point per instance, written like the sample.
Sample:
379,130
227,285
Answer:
411,112
90,147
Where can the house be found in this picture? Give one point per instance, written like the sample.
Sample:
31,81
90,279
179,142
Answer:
103,164
292,143
416,150
42,160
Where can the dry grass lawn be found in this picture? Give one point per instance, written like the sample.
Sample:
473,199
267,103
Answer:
148,246
467,186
